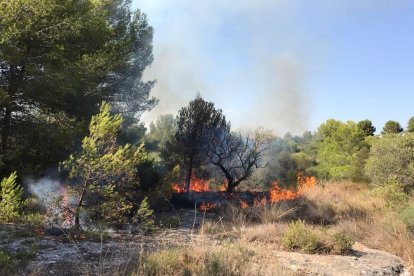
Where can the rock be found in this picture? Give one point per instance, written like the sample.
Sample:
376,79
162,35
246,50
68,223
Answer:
366,261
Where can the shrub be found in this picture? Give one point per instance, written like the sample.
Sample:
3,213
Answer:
8,264
393,194
168,221
200,260
145,217
407,215
10,199
392,158
298,237
343,243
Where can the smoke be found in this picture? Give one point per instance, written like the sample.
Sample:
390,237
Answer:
253,59
46,189
285,100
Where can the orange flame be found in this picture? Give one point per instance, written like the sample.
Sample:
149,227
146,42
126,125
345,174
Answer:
260,202
222,187
67,216
197,185
244,204
305,183
207,206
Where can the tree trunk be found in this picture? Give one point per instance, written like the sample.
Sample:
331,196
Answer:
78,209
5,129
188,176
230,187
189,173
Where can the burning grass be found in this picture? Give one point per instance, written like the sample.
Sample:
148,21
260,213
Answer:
334,214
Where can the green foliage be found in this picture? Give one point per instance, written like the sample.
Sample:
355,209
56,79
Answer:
343,243
10,199
144,216
338,146
32,212
357,167
366,127
282,163
227,260
407,215
393,193
392,127
10,262
161,132
195,124
392,159
299,237
50,86
106,172
410,126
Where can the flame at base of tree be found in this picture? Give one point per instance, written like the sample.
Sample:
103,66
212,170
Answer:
275,194
305,183
67,214
207,206
197,185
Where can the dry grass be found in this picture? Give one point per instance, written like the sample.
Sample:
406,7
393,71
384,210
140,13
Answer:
241,241
365,217
206,259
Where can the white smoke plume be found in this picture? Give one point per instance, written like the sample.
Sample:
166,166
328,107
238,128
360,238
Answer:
252,58
45,189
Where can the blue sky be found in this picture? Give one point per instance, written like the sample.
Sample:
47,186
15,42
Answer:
286,65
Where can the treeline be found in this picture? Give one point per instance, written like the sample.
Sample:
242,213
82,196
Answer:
335,151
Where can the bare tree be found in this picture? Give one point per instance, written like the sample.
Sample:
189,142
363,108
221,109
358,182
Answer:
237,155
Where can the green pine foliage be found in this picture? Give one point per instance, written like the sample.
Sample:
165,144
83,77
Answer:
338,146
59,59
105,172
392,159
10,199
144,216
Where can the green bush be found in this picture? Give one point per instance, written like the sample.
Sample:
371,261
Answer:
8,263
298,237
10,199
393,194
392,159
407,215
343,243
145,217
166,262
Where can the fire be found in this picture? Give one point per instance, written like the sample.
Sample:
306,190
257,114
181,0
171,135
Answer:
222,187
244,204
305,183
197,185
207,206
260,202
67,216
177,188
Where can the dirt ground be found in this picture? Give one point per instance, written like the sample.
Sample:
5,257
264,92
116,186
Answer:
118,252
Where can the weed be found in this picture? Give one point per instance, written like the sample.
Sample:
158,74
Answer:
299,237
343,243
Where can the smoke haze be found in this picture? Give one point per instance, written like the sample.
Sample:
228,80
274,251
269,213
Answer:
253,59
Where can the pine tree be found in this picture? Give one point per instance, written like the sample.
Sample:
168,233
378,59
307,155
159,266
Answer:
104,172
10,199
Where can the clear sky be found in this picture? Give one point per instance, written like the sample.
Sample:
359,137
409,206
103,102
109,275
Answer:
287,65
